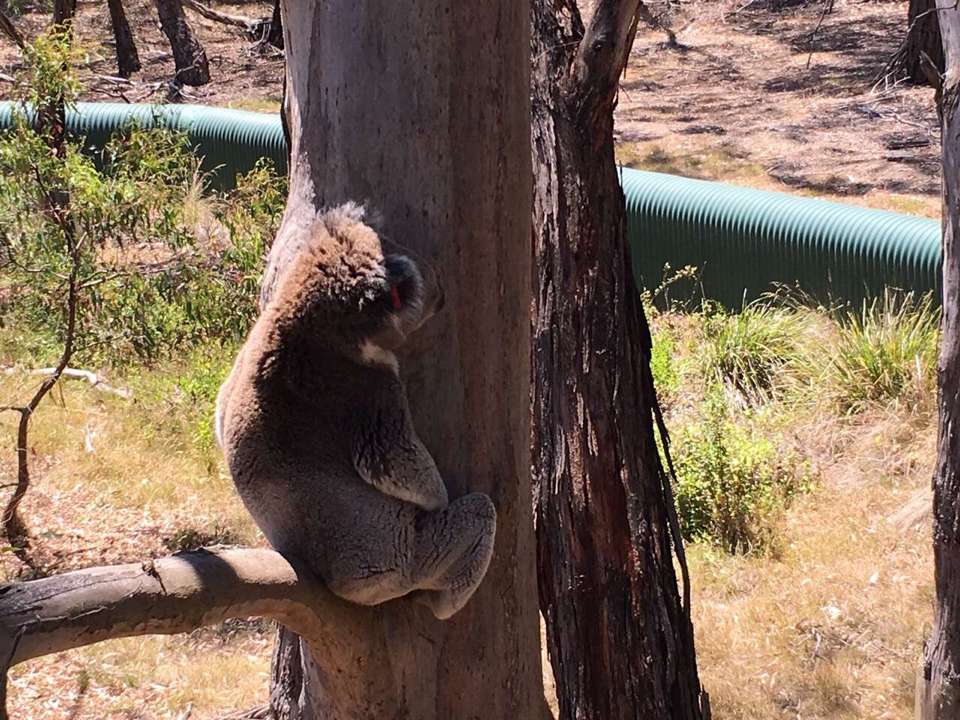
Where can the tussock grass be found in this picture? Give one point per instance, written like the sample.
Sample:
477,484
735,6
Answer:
886,352
755,350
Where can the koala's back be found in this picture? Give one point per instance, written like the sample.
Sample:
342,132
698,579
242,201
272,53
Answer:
288,438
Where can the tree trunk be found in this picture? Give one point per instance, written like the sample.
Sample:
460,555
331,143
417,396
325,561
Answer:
64,10
275,34
620,639
923,49
938,692
422,110
919,59
128,60
188,53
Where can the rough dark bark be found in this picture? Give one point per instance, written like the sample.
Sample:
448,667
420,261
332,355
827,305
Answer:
64,10
919,59
620,639
275,33
938,692
422,110
128,59
188,54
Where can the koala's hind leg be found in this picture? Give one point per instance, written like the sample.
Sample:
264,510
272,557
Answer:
453,551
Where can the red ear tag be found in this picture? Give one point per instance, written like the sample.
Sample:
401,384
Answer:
395,294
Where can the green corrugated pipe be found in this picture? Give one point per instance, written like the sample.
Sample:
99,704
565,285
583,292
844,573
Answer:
742,240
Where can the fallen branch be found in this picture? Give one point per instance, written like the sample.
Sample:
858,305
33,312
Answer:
91,377
254,28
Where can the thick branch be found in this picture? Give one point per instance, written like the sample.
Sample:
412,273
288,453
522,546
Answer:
602,55
171,595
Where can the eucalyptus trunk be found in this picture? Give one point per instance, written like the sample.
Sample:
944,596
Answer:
620,637
938,692
422,110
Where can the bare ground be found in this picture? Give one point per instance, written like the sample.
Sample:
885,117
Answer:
755,97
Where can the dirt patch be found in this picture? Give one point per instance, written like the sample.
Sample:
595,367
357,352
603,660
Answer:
244,73
754,97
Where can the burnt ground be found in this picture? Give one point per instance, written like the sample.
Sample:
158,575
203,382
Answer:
758,97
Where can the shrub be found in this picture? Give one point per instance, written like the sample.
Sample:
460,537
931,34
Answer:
666,379
885,353
122,231
732,486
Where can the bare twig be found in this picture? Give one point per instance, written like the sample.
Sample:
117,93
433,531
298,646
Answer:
13,525
827,9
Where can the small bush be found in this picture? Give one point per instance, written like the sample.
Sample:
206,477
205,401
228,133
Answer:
886,353
732,486
666,378
123,231
753,349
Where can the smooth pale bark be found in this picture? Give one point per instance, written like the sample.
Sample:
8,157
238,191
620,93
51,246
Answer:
620,638
187,591
166,596
938,692
421,110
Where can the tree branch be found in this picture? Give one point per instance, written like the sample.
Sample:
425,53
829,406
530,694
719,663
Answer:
171,595
252,27
602,56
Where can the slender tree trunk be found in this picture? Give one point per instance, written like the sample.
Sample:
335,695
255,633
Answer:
620,639
422,110
275,35
128,60
188,53
923,49
939,688
64,10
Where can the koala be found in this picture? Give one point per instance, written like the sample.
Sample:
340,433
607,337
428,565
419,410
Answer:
315,426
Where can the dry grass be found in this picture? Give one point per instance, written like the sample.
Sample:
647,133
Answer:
120,480
831,624
833,627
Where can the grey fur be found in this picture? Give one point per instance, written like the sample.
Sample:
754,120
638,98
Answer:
315,426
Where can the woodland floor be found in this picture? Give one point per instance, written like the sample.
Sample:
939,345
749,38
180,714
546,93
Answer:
830,627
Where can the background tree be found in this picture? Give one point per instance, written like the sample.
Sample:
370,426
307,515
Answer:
939,688
620,639
128,59
188,54
450,174
64,10
919,59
